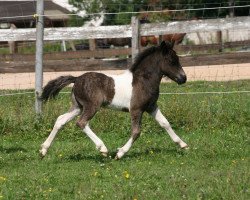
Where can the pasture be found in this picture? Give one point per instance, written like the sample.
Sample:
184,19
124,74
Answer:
216,166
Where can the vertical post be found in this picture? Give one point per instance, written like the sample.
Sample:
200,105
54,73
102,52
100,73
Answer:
71,43
63,46
231,10
39,55
135,37
92,46
219,40
13,44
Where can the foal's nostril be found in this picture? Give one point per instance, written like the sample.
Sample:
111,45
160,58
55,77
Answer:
182,79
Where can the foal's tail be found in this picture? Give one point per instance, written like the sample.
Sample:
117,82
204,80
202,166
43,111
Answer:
55,86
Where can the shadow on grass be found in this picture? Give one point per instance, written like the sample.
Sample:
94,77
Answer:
12,149
79,157
130,155
155,152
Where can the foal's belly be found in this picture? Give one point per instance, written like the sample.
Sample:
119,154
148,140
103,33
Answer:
123,91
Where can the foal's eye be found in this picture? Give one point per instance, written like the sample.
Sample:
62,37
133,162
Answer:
172,62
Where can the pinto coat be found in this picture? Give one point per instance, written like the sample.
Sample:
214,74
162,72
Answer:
136,91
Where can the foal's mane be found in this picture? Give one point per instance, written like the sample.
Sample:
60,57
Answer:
141,57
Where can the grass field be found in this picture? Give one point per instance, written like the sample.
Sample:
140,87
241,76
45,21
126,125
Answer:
216,127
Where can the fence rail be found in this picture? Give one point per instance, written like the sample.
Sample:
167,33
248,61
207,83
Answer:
74,61
75,33
106,53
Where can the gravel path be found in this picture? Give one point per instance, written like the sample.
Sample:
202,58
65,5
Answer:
208,73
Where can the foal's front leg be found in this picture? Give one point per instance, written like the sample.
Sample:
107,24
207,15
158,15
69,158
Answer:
159,117
136,123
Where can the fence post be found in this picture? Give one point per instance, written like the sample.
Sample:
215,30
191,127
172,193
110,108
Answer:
63,46
135,37
231,10
92,46
13,44
219,40
39,55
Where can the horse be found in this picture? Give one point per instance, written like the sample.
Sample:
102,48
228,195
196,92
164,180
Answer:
177,38
135,91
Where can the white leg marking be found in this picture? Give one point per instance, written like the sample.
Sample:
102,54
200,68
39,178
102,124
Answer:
61,120
124,149
159,117
98,142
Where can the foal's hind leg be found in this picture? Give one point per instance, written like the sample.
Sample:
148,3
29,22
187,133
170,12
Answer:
86,116
61,120
159,117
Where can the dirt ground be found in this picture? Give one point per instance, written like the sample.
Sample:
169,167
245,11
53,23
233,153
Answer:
227,72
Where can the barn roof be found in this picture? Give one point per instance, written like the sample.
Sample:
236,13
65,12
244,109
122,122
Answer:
27,9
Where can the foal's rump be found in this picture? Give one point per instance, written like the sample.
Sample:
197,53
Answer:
95,88
91,87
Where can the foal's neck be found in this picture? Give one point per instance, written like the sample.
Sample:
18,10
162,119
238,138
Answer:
148,70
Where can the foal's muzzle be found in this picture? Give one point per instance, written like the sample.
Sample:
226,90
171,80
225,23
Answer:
181,79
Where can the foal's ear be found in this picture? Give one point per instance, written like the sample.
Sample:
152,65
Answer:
163,45
170,45
166,46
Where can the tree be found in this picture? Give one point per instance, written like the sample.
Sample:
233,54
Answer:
125,9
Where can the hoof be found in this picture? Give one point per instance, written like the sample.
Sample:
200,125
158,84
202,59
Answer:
119,154
117,157
103,150
104,154
183,145
42,153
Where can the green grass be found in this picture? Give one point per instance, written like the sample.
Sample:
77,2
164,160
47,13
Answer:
216,127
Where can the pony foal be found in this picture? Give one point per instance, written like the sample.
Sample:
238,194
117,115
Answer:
135,91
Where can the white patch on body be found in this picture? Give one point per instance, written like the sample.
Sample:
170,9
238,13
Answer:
123,90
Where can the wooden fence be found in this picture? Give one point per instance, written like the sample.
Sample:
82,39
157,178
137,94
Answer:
107,53
72,61
123,31
134,31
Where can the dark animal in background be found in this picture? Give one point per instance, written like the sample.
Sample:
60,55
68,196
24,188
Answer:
176,38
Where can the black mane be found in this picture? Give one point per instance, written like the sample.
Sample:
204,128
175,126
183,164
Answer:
141,57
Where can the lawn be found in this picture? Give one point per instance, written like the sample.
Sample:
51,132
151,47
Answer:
216,166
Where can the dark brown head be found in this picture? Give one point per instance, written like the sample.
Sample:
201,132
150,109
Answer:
169,63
